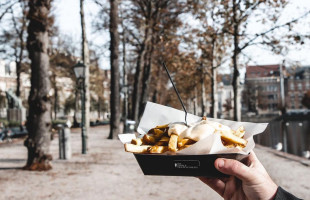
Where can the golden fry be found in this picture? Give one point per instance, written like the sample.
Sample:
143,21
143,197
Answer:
137,141
148,139
158,149
164,139
162,126
136,149
231,138
158,133
172,146
185,141
161,143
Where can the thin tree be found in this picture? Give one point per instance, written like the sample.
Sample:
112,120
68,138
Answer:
39,118
19,56
85,59
115,74
15,37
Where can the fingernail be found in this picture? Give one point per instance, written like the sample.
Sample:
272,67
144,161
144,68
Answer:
220,163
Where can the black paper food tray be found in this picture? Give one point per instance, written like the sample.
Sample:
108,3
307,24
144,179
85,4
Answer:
182,165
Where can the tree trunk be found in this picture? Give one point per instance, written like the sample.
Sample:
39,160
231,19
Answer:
18,72
55,103
137,85
236,78
146,73
39,119
115,87
203,95
20,57
125,82
99,108
85,57
214,98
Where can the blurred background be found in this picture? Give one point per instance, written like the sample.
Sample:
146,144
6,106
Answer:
234,60
85,69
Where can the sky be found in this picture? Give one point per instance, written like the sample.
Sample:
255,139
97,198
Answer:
68,20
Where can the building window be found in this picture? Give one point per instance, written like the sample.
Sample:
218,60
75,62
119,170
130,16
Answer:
299,86
292,86
307,85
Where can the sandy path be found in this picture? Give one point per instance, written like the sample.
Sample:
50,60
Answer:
107,172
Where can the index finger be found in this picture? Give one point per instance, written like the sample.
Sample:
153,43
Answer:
216,184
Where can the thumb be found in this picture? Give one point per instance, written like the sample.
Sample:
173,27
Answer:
234,168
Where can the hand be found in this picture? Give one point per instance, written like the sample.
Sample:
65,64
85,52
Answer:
247,181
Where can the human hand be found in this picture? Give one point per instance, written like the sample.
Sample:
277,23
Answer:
247,181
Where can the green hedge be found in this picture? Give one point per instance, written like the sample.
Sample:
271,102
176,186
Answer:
7,123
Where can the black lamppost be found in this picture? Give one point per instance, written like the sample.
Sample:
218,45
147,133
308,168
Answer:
79,70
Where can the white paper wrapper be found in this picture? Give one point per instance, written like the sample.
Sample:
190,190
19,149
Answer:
156,114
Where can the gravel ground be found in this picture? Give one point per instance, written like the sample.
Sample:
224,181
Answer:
107,172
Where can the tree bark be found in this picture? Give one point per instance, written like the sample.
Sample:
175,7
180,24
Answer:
55,103
214,99
39,119
137,85
125,82
203,95
236,78
85,57
115,87
146,72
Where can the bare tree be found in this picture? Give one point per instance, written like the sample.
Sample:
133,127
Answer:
85,58
237,15
39,118
14,37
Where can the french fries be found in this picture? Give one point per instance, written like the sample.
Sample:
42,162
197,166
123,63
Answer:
158,141
230,138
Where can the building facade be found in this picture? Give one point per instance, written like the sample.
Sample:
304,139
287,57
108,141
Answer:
269,89
298,82
263,88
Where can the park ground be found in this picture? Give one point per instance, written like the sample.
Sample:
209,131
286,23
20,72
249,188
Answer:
107,172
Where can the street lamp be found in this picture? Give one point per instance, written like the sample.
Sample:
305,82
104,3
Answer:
79,71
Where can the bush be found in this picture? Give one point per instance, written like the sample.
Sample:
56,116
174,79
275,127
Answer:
4,122
14,123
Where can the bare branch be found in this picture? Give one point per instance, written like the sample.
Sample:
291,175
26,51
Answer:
249,10
272,29
7,9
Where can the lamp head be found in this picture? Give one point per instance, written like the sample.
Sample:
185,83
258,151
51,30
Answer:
79,70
